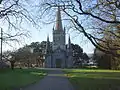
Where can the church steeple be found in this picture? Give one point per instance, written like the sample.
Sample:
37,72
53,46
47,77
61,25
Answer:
69,43
58,20
48,38
57,51
48,50
58,33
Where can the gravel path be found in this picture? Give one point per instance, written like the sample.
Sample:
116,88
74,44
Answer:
55,80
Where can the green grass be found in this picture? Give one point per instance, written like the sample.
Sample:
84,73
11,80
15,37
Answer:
10,79
85,79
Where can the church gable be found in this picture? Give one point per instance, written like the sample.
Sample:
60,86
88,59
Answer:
59,50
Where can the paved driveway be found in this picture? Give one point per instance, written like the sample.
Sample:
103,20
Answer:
55,80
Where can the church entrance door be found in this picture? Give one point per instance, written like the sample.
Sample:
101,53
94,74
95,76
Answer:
58,63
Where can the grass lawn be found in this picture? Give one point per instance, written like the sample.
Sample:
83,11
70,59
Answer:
85,79
10,79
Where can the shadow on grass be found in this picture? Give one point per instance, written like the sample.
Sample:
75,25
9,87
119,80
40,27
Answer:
10,79
94,80
82,83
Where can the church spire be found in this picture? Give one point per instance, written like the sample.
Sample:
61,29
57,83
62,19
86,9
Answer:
58,20
48,46
69,43
47,38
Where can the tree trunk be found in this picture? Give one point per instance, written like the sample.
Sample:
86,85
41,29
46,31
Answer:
12,64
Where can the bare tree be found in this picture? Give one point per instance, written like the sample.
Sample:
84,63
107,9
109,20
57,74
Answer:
15,15
91,18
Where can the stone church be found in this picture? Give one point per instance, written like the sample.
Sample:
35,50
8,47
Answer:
58,55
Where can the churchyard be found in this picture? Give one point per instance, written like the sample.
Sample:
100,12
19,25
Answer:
93,79
13,79
81,79
92,24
